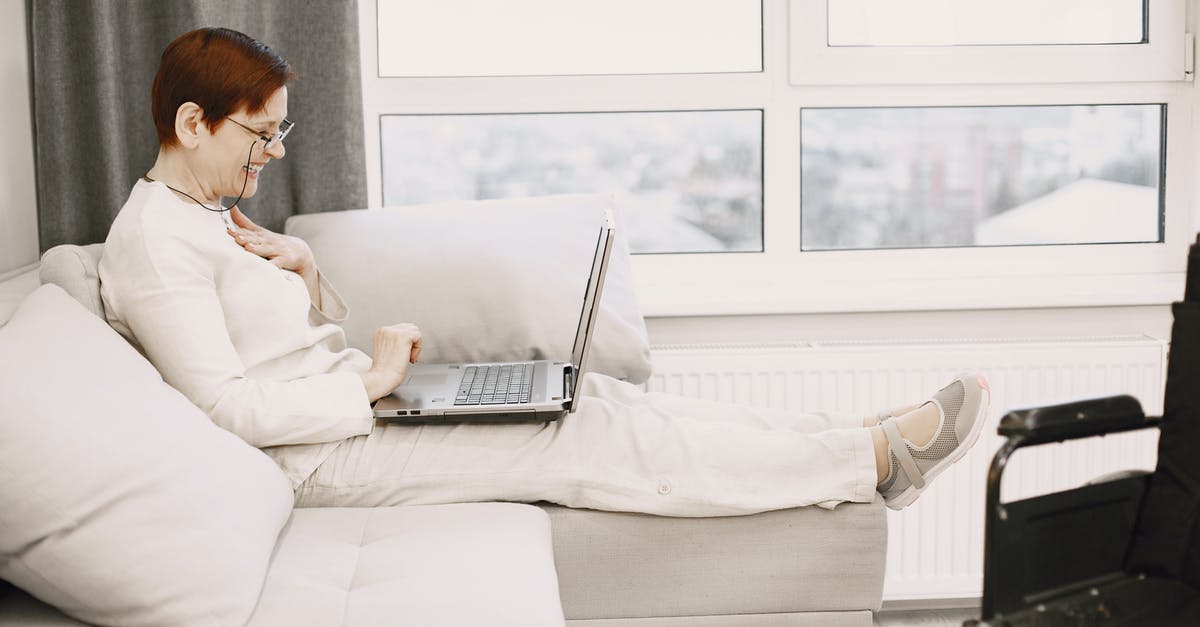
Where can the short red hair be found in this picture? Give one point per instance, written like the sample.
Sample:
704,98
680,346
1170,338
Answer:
219,69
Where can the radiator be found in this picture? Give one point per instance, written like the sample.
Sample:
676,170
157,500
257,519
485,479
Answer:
935,547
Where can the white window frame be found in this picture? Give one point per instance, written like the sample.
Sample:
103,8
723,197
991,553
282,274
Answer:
814,62
782,279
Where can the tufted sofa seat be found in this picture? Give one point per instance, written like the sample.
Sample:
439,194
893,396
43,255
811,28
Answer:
420,565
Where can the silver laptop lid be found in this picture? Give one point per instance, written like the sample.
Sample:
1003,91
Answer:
591,303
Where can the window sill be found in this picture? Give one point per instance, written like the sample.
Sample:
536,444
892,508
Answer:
694,296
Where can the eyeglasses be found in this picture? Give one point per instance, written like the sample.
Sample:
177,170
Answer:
269,141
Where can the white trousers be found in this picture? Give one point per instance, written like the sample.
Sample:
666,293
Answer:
623,450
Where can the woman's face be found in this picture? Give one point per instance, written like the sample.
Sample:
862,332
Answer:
238,138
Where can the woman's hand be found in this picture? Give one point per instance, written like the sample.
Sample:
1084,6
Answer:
395,347
285,251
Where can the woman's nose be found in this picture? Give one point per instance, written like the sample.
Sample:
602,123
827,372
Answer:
276,151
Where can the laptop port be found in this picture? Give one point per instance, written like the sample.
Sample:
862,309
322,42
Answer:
416,412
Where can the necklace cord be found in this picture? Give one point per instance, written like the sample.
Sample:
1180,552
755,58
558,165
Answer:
246,176
222,209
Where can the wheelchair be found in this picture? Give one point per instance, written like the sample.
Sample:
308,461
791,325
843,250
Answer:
1120,552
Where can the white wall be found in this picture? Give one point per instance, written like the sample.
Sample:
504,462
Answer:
18,194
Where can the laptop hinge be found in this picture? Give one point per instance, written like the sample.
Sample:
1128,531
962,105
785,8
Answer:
568,384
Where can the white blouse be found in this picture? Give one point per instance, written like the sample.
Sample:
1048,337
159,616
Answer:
235,334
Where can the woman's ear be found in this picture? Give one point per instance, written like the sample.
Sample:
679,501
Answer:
189,120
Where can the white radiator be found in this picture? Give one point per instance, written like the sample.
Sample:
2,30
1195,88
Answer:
935,547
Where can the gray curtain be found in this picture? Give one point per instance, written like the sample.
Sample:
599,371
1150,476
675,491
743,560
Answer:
94,62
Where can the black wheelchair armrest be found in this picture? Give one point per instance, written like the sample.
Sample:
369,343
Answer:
1033,547
1078,419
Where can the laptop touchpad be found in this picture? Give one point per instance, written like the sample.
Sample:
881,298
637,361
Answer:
427,379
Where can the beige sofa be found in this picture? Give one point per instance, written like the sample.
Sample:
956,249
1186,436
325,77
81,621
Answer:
470,564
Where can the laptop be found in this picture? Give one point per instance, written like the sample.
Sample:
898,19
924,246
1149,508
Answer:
540,390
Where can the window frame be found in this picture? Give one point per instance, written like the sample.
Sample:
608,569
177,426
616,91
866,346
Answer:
782,279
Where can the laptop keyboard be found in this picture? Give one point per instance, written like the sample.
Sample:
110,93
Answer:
495,385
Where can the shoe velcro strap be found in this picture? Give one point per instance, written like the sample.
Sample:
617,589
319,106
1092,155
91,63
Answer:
900,450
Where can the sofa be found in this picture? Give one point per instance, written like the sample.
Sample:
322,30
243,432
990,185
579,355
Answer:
122,504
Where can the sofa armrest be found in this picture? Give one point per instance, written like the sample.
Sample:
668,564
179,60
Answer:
76,269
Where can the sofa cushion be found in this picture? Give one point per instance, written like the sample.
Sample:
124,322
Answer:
465,564
624,565
75,270
485,280
120,501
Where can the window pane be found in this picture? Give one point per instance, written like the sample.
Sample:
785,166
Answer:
553,37
981,176
687,181
984,22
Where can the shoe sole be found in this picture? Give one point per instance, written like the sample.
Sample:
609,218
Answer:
910,494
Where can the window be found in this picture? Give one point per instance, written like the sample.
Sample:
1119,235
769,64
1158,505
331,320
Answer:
981,176
553,37
985,22
891,42
816,163
690,181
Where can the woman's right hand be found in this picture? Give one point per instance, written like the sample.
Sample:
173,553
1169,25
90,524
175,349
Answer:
395,347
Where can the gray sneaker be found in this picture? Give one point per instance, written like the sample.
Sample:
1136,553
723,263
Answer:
963,408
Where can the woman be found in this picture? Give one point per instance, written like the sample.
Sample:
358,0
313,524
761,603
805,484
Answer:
240,320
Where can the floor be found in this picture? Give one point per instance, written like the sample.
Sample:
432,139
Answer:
925,618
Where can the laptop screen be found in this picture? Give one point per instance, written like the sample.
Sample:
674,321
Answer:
591,301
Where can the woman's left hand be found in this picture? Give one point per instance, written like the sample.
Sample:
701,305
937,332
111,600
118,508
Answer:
285,251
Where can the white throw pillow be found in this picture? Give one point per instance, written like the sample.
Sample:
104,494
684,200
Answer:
120,501
485,280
